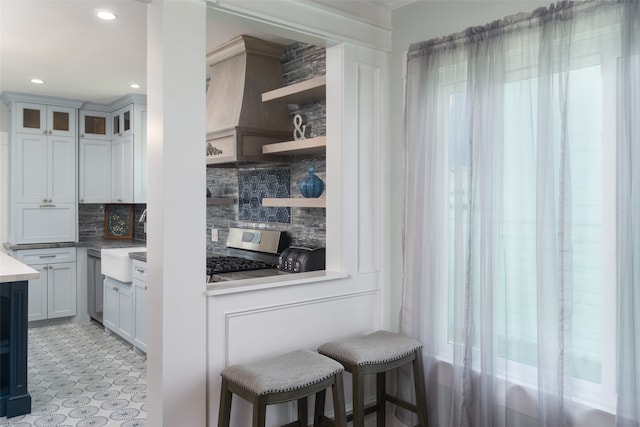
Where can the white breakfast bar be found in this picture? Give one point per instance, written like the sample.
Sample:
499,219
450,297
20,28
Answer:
14,295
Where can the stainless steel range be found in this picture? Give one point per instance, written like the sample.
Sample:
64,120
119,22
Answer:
253,253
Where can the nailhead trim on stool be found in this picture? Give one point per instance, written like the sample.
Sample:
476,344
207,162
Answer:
292,376
378,353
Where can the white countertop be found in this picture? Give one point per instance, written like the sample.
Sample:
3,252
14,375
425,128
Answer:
12,270
277,281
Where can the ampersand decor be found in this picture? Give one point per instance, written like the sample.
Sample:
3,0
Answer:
298,128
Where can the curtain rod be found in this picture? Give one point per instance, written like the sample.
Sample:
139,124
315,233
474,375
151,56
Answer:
561,9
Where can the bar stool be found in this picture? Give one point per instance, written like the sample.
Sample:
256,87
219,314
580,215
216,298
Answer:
292,376
377,353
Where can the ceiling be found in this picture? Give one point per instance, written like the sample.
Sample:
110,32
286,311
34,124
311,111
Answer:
81,57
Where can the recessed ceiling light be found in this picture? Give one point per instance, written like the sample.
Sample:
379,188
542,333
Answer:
134,86
37,81
106,15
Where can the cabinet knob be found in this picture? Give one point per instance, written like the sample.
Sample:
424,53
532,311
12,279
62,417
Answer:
145,287
115,289
45,132
50,132
50,200
82,135
44,200
81,200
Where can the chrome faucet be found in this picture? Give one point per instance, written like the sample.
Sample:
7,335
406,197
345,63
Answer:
143,217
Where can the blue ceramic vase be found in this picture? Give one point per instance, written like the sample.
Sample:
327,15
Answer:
311,186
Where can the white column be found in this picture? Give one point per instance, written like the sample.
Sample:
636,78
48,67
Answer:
176,213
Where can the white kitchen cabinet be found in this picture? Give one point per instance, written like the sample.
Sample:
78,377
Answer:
140,304
95,125
45,119
94,173
44,223
45,169
123,121
129,153
43,163
118,308
122,169
53,295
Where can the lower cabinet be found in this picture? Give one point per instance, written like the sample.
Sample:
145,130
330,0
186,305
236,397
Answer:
125,307
118,308
53,295
140,304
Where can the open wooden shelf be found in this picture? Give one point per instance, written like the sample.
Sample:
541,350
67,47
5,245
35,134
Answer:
296,202
221,201
299,93
304,146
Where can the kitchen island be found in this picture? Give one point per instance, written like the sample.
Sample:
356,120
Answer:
14,281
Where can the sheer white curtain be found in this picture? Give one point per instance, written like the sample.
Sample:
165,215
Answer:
522,217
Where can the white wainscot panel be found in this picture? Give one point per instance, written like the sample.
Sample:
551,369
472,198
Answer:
369,168
256,333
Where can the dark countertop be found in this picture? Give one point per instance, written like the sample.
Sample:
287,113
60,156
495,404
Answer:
140,256
96,244
110,243
14,247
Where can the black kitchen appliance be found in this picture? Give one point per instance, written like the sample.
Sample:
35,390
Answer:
299,260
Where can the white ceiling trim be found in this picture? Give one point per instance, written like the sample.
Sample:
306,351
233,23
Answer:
309,18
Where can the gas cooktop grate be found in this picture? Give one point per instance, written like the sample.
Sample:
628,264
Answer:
230,264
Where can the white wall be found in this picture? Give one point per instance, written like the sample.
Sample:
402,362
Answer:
176,357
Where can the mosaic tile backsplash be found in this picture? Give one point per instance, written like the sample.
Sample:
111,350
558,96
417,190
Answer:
256,184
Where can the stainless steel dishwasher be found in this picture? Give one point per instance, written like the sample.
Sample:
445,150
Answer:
95,284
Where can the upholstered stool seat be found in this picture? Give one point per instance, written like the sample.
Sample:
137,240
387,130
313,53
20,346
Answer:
378,353
292,376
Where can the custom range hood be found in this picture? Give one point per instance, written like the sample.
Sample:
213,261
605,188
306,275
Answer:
238,122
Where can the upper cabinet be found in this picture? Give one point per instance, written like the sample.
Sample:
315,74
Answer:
129,154
45,119
122,120
94,162
94,171
43,150
95,125
113,154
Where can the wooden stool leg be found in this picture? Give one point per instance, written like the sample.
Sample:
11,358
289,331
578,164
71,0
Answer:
338,402
421,395
358,398
318,414
303,415
381,389
224,415
259,412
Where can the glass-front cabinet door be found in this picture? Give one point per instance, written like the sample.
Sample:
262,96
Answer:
45,119
123,121
95,124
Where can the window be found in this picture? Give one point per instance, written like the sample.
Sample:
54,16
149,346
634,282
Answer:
590,265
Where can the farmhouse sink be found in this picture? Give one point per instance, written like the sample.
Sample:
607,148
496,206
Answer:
117,264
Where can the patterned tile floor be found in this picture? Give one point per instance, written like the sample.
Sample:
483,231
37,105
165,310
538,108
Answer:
81,376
